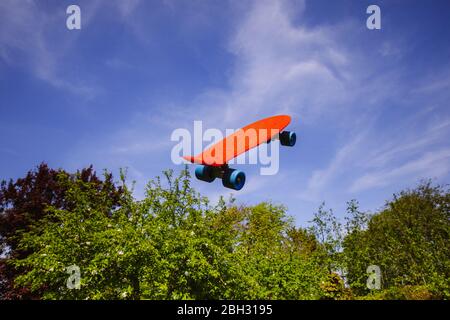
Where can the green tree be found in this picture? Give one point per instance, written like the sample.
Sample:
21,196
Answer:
356,253
276,260
175,244
328,231
139,249
408,240
89,233
23,203
171,245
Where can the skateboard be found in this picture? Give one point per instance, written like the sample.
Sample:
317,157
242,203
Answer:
212,162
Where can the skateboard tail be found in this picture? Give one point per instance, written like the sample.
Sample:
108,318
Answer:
199,159
192,159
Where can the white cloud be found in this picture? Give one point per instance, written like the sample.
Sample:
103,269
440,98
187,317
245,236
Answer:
414,143
431,164
278,67
375,159
30,38
281,67
37,40
323,178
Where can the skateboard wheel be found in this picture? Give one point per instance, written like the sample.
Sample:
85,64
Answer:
204,173
288,138
234,179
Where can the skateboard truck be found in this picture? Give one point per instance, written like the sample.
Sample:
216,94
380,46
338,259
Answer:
231,178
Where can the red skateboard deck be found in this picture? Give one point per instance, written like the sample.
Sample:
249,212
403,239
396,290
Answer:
241,141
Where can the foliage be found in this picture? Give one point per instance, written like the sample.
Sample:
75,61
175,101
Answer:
334,288
171,245
23,203
275,260
175,244
408,240
407,292
328,231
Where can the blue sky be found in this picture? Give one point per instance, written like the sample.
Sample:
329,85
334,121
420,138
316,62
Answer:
370,107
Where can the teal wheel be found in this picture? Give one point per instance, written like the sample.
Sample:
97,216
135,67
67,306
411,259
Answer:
233,179
205,173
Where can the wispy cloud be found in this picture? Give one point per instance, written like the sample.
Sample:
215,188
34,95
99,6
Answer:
344,159
27,40
430,165
278,67
281,67
374,159
35,38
